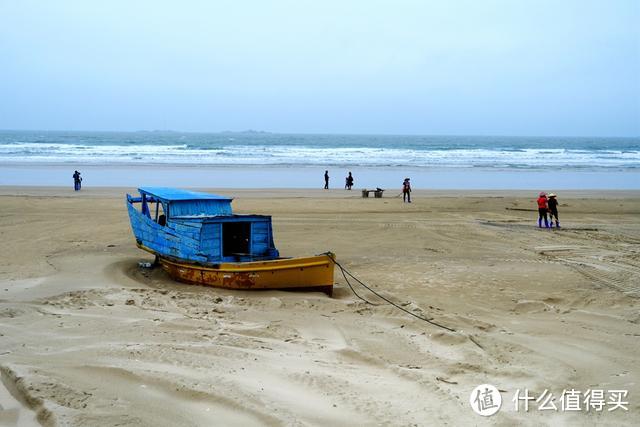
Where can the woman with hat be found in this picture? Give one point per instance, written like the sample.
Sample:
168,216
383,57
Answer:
553,209
542,210
406,191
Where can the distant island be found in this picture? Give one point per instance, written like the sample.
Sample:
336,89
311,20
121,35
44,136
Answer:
224,132
248,131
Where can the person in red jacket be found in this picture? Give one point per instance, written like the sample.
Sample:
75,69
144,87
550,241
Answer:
542,210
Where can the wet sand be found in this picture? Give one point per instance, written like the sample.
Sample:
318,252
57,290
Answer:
287,176
89,338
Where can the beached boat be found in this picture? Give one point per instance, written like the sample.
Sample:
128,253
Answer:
197,239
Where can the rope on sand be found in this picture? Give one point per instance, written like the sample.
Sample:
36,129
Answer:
346,272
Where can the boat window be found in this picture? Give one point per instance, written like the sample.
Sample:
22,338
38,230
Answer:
160,216
235,238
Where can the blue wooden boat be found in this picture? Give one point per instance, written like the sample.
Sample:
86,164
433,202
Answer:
197,238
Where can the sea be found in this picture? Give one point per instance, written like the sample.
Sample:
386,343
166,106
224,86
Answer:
262,159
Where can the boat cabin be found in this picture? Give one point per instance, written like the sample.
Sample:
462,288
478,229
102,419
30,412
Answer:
198,227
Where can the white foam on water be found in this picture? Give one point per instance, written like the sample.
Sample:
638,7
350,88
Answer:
302,155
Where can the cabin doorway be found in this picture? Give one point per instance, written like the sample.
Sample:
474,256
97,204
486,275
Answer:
236,238
161,218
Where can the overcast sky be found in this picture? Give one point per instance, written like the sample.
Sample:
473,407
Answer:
401,67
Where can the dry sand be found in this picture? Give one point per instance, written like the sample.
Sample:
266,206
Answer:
88,338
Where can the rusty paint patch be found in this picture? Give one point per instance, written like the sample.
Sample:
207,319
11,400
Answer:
240,280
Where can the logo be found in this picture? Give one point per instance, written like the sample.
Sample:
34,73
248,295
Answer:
485,400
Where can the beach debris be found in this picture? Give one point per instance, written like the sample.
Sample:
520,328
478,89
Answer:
473,340
145,264
377,193
521,209
411,366
444,380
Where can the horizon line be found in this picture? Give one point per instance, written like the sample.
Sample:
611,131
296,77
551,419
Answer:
253,131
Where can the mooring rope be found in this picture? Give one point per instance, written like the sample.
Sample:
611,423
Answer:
342,270
346,272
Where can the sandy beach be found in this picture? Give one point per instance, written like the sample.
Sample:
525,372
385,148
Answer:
89,338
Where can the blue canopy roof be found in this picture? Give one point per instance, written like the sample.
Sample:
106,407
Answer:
175,194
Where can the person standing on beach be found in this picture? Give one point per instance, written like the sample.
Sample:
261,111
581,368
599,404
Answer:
553,209
349,181
406,190
542,210
326,180
77,181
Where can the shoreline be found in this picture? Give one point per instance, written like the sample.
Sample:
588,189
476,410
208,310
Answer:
313,193
308,177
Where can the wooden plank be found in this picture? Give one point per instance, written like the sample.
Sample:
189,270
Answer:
185,228
193,224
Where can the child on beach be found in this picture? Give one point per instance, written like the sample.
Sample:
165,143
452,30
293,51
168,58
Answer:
552,202
406,191
542,210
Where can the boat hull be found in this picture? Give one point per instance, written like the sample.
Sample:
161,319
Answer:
309,273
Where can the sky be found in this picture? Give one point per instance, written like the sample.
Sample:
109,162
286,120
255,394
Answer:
510,67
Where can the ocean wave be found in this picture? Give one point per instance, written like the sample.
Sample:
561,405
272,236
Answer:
301,155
